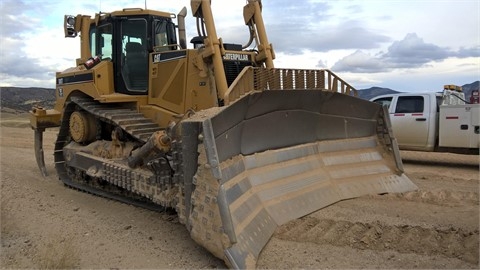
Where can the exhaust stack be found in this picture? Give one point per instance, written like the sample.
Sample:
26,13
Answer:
181,28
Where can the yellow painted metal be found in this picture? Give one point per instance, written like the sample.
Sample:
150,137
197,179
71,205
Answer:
212,48
452,87
83,127
41,118
168,88
252,12
260,79
103,78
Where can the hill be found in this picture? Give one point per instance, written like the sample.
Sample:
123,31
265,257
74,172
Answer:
468,88
22,99
372,92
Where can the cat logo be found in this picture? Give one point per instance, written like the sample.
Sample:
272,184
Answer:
236,57
156,58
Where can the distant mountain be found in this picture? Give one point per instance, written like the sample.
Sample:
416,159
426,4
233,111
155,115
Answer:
468,88
372,92
22,99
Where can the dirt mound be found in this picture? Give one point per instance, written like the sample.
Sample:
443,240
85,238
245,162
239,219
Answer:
450,242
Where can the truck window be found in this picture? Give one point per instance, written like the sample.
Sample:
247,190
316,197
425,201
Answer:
439,102
384,101
411,104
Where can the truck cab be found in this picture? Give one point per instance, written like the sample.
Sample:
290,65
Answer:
442,121
414,118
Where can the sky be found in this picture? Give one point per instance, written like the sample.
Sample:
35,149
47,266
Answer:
404,45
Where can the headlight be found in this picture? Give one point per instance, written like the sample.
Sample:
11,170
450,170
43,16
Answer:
70,20
69,26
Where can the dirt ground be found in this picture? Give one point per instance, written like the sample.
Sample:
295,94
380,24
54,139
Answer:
46,225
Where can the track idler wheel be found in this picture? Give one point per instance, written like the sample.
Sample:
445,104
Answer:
83,127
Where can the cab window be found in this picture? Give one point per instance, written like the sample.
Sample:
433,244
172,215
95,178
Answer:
160,33
134,54
164,35
93,39
410,104
105,41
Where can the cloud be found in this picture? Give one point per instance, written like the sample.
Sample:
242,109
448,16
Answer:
411,52
348,35
321,64
468,52
360,62
304,25
16,23
321,37
13,20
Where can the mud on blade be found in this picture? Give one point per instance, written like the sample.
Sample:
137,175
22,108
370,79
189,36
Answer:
275,156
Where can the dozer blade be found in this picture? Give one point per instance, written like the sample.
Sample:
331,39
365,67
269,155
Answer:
279,155
38,146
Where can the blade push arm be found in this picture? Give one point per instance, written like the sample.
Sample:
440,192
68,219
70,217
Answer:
252,14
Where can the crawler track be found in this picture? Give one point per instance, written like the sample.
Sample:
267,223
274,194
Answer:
132,123
205,224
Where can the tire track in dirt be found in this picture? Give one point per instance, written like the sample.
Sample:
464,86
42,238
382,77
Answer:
436,189
438,221
441,197
450,242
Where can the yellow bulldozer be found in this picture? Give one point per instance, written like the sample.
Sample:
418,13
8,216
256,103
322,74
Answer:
215,132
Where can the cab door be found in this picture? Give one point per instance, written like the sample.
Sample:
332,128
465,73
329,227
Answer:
410,121
131,57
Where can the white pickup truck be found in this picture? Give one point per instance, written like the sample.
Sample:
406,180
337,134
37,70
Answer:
441,122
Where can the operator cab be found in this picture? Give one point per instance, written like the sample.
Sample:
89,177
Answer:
127,38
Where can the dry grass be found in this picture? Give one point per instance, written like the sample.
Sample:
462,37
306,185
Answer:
14,123
15,120
6,220
59,254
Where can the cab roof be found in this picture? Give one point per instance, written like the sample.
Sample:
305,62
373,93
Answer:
141,11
